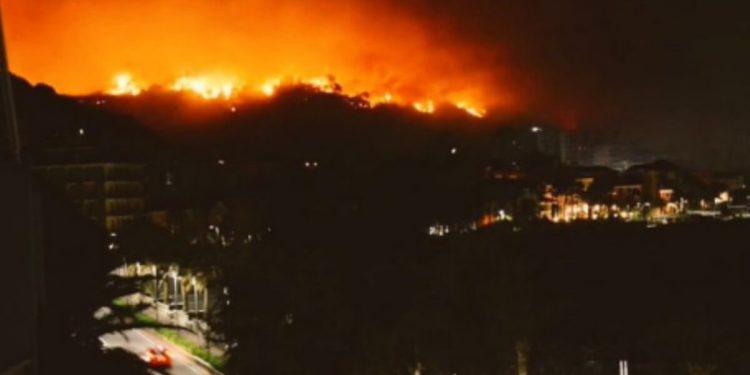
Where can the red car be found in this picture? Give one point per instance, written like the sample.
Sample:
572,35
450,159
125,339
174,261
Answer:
158,358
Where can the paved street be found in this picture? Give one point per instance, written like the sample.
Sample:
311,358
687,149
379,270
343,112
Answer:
139,341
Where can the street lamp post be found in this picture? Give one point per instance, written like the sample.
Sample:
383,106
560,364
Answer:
623,367
174,285
156,291
205,302
195,294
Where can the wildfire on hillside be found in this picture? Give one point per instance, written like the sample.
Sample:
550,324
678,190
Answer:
237,48
212,88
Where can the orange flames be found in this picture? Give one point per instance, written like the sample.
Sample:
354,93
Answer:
472,110
240,47
269,87
425,107
205,87
214,88
124,85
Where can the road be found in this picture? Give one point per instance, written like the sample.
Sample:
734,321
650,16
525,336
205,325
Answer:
138,341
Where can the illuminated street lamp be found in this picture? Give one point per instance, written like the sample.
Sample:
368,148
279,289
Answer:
154,271
623,367
174,285
195,293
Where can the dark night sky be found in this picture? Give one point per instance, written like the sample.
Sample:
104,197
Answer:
675,71
634,57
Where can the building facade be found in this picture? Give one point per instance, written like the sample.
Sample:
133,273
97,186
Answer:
112,194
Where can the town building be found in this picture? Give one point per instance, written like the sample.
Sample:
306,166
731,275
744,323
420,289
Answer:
514,143
112,194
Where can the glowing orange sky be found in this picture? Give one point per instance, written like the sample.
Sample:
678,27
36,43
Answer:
78,46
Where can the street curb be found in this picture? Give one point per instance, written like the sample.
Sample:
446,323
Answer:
204,364
197,359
